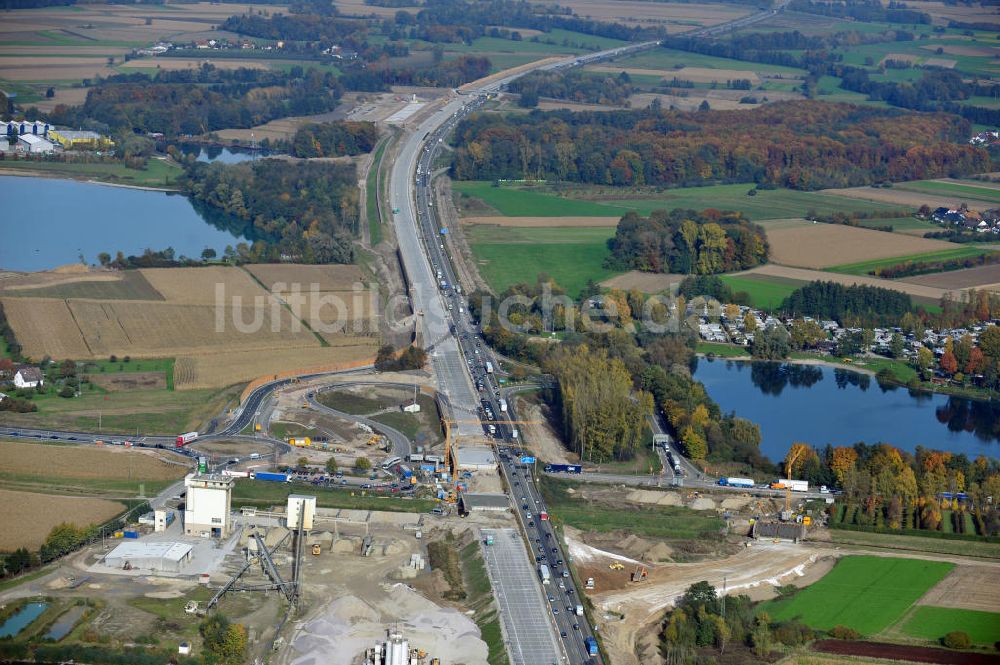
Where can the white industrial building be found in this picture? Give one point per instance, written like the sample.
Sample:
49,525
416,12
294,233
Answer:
474,458
138,555
208,505
297,502
34,144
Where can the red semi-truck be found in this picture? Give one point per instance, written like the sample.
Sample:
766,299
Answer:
185,439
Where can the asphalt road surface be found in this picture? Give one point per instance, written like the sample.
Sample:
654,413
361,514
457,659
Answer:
516,589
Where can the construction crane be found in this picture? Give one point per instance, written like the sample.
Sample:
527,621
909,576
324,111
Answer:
448,431
795,454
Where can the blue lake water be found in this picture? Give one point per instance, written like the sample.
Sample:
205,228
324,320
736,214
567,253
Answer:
820,405
21,619
46,223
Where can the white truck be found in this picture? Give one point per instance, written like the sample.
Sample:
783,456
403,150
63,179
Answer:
543,573
489,367
794,485
503,405
579,610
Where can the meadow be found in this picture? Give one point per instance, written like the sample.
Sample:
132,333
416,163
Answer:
765,292
865,593
158,173
865,267
570,256
540,201
959,190
932,623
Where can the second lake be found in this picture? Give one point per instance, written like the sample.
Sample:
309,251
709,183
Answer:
819,405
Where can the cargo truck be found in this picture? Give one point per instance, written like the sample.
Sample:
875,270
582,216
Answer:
591,645
579,610
503,405
563,468
489,367
301,442
736,482
543,573
185,439
272,477
794,485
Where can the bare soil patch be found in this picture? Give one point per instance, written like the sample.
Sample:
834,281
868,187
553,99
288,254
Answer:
806,275
646,282
46,327
961,49
940,62
979,277
85,462
130,381
540,222
544,442
556,105
696,74
230,447
28,518
966,587
67,96
692,102
174,64
900,57
822,245
676,17
897,652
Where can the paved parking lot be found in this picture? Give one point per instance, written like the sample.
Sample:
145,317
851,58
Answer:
530,637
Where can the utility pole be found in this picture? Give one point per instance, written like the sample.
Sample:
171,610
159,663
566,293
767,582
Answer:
724,580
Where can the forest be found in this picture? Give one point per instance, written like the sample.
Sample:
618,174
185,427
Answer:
297,27
334,139
573,86
180,102
801,145
686,241
872,11
302,211
379,76
849,305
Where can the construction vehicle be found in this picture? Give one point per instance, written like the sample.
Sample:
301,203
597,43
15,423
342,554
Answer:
316,549
616,566
639,574
257,427
590,583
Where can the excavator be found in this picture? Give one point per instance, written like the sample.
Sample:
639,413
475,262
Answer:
616,566
639,574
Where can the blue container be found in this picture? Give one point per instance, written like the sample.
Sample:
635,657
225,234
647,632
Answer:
130,534
272,477
591,644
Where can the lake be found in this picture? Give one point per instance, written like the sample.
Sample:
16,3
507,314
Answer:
819,405
48,223
219,154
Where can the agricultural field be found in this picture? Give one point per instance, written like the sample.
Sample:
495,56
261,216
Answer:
825,245
91,470
258,334
645,282
926,295
980,277
609,202
570,256
675,17
28,518
971,192
932,623
865,593
944,254
766,292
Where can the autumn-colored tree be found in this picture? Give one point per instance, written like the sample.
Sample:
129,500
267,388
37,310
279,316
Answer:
731,311
842,461
699,417
694,443
977,361
750,322
796,458
948,363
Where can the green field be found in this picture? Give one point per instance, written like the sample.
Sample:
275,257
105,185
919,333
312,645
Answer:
158,172
933,623
670,522
865,267
264,494
541,201
668,59
765,292
866,593
900,224
722,350
956,189
571,256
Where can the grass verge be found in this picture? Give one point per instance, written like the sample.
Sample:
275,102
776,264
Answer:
722,350
916,544
262,494
158,172
372,196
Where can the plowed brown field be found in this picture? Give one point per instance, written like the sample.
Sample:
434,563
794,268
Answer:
823,245
27,518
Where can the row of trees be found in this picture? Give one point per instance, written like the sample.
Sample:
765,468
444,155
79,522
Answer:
802,145
334,139
896,490
297,27
686,241
389,360
304,211
911,268
573,86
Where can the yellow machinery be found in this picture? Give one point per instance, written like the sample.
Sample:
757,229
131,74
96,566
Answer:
616,566
316,549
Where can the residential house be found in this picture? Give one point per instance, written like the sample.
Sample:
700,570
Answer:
28,377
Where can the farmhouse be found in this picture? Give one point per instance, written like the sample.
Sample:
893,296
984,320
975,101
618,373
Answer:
28,377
